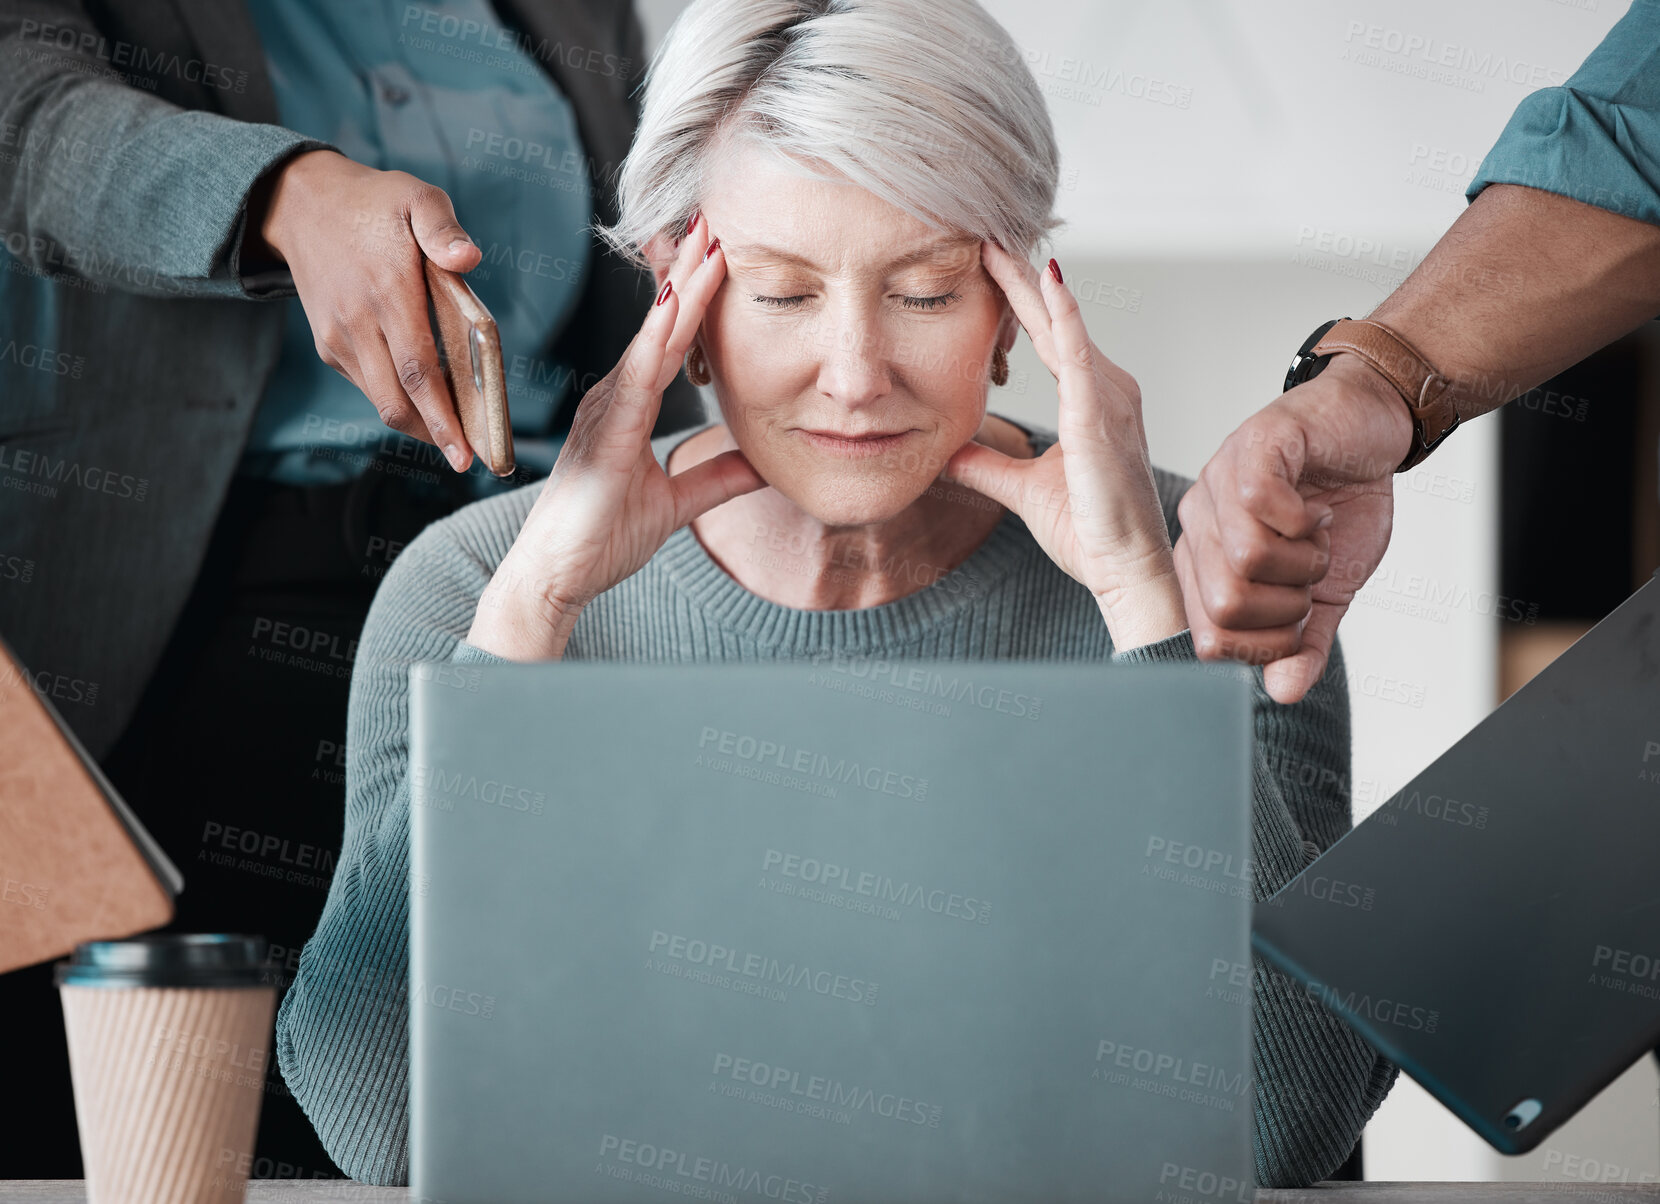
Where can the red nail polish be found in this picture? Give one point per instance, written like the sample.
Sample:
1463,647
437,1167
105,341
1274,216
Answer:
1055,271
668,287
711,249
692,224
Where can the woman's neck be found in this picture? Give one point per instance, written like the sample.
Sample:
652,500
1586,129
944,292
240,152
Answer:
779,552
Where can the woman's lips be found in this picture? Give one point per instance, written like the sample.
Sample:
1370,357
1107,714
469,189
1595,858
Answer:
865,445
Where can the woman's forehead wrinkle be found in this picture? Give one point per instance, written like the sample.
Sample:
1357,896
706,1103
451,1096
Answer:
953,252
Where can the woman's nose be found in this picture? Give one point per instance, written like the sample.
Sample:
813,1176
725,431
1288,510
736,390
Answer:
853,365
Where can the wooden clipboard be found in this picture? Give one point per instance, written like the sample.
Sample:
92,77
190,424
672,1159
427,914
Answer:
75,863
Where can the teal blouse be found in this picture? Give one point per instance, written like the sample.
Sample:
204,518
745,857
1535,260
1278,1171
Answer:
447,93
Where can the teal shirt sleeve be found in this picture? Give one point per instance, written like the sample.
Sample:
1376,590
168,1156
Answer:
1596,138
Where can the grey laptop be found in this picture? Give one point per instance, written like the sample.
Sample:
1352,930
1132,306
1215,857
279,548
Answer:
1498,930
841,932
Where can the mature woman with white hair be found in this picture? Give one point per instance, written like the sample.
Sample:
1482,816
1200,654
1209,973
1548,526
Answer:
838,198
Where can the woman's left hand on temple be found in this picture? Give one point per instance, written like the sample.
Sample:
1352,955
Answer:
1089,501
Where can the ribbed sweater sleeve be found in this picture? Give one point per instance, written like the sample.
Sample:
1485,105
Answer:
1316,1081
342,1031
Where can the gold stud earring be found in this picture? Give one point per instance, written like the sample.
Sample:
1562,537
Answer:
697,371
999,366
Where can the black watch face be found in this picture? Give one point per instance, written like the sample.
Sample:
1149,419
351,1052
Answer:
1304,365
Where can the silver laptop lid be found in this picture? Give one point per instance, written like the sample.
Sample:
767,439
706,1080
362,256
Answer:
829,933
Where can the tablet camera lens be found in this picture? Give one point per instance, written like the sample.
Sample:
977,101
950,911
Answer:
1523,1114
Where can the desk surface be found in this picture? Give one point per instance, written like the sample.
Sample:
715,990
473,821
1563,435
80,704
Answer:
296,1191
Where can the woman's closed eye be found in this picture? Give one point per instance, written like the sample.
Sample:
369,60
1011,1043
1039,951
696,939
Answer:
928,303
923,304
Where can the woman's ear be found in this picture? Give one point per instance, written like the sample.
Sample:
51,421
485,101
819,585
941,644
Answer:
1008,328
660,251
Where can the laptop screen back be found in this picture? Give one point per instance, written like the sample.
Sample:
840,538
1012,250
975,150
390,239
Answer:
752,932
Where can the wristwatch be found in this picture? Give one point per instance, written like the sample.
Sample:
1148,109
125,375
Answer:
1428,394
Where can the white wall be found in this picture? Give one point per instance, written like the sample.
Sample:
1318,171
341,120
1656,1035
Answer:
1233,174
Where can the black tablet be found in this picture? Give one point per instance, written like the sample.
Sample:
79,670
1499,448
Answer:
1494,928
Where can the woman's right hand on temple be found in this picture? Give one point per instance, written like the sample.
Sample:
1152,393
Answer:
608,506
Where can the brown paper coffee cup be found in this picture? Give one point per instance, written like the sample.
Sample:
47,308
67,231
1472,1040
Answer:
168,1046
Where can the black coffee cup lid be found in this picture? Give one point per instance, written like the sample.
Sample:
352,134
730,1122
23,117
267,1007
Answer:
167,959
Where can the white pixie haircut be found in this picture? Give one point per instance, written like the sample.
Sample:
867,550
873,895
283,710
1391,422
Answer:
927,104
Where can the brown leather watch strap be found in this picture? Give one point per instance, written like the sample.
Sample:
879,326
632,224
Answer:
1428,394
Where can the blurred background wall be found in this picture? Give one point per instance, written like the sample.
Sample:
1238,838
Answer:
1235,173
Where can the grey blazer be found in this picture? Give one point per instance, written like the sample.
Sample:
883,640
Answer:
132,350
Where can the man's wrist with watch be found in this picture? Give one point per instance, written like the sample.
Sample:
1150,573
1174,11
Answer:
1354,424
1379,362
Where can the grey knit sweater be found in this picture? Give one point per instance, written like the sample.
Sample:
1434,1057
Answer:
342,1040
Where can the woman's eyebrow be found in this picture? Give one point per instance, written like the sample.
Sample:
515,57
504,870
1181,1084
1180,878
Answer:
757,251
940,248
928,251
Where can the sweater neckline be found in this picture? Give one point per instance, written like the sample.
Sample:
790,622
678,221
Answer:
726,602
